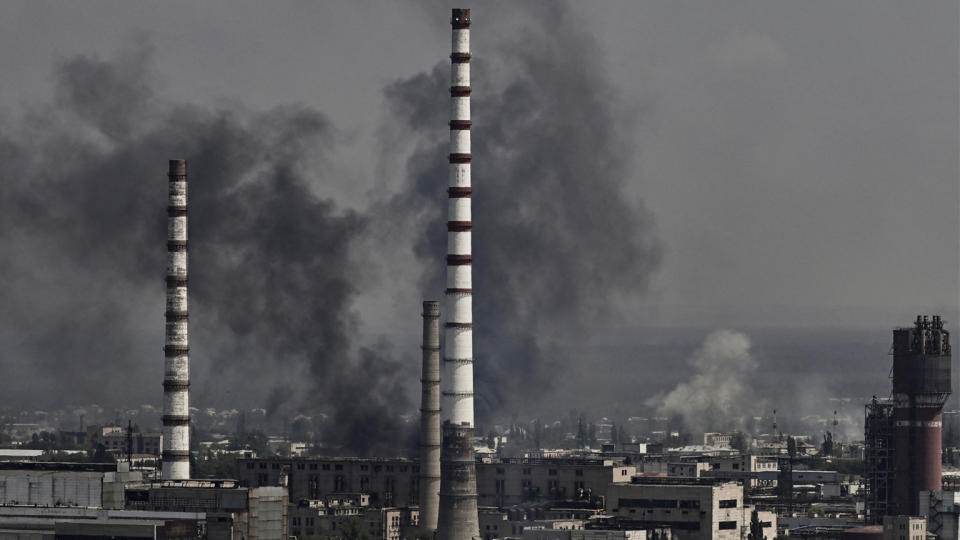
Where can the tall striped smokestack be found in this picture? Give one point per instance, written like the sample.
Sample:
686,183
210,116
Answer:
176,372
458,519
430,418
458,359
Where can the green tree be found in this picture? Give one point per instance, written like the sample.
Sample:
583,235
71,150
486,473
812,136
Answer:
353,529
791,447
100,455
592,434
756,530
785,482
827,447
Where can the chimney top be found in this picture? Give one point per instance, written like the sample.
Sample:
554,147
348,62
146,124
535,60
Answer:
178,166
460,18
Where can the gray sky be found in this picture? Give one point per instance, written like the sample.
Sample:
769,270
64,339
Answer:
798,160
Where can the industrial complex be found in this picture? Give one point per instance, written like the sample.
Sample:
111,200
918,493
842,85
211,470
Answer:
644,479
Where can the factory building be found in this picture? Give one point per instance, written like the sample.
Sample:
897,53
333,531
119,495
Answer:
335,515
42,523
942,511
227,510
904,528
751,470
388,482
515,481
693,509
89,485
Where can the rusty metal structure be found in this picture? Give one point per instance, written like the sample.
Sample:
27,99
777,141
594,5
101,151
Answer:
921,386
176,371
878,458
430,418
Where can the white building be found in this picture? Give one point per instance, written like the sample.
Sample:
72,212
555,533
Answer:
694,509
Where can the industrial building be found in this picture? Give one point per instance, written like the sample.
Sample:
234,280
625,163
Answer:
334,515
754,471
389,482
921,386
942,512
903,437
904,528
693,509
510,482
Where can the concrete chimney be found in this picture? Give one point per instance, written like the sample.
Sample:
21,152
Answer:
458,360
176,372
458,518
430,418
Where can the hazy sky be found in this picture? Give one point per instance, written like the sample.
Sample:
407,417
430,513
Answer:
790,163
793,153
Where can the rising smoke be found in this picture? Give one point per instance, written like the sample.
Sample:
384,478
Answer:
273,268
276,268
556,239
719,396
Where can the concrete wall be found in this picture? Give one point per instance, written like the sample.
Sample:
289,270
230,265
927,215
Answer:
51,488
267,514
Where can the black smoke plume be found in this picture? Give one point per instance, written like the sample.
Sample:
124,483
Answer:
556,238
273,268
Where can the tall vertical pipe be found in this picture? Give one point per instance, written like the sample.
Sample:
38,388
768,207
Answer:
921,386
176,372
458,518
458,330
430,418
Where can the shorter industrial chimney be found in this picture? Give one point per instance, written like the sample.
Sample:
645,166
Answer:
176,369
458,519
430,418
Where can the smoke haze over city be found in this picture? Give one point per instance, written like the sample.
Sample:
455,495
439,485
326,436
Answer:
664,197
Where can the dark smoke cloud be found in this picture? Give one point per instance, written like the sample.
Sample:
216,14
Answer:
273,269
556,240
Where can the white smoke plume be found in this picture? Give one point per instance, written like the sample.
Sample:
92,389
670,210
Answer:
718,397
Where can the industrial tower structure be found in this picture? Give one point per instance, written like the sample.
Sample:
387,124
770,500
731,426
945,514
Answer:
176,371
878,458
430,418
458,518
921,386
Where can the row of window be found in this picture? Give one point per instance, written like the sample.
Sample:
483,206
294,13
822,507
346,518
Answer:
336,467
528,471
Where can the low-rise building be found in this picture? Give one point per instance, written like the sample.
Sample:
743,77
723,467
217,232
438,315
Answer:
389,482
510,482
694,509
904,528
